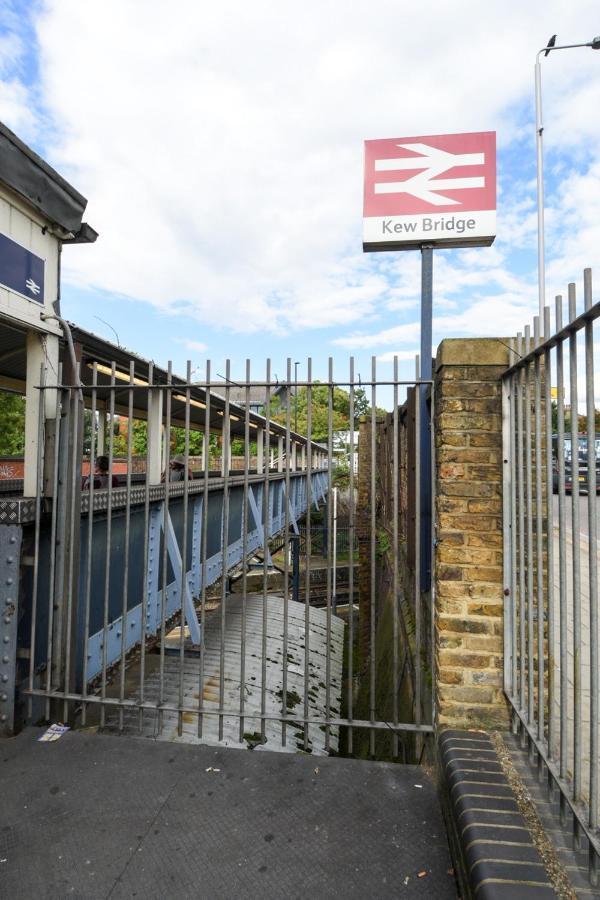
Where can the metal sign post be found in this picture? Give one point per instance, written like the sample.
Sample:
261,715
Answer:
421,193
425,417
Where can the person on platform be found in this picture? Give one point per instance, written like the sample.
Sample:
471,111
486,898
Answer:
101,477
177,470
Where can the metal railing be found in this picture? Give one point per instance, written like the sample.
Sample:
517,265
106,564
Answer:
347,540
131,618
550,507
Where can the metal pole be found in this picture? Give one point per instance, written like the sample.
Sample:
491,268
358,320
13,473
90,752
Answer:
307,564
295,542
245,560
521,526
330,557
333,590
183,587
125,594
287,504
204,552
107,546
575,565
266,558
425,448
36,552
529,538
539,128
507,532
149,561
396,564
226,446
373,557
296,364
419,550
539,549
351,531
90,544
562,558
592,562
552,634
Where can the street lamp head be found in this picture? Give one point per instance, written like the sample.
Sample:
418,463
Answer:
550,44
595,43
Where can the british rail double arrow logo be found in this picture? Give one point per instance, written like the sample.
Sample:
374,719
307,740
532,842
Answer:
433,162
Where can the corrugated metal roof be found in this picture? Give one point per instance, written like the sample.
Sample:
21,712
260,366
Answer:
13,364
296,677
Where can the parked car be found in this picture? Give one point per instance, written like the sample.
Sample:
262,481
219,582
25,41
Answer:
583,463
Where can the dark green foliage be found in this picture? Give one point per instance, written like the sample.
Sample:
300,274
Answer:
341,475
320,397
12,424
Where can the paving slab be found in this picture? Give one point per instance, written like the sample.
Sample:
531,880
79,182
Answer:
96,815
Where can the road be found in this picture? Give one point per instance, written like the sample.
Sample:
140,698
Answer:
584,528
564,707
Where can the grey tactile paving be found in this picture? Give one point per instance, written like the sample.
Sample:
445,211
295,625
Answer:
499,858
574,861
98,815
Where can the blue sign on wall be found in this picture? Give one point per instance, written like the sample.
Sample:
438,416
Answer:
21,270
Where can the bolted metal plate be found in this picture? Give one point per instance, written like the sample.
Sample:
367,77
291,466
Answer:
21,510
17,510
10,546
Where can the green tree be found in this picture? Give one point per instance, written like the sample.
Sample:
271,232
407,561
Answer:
320,395
139,440
12,424
341,474
581,420
178,442
139,437
361,404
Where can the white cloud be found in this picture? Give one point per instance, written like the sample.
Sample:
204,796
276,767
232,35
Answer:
576,210
11,51
16,108
400,355
195,346
398,334
499,314
220,147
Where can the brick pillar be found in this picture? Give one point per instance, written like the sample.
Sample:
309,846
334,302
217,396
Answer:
468,570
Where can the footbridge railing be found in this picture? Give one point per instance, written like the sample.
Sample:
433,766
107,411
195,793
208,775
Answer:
131,578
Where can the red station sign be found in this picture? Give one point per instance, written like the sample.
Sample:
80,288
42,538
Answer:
439,190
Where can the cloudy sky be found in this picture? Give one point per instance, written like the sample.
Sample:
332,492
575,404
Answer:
220,147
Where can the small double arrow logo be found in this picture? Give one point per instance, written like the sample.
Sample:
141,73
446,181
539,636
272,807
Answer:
434,162
32,286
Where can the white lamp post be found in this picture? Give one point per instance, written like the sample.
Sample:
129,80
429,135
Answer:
539,128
